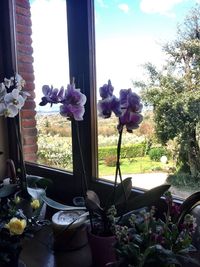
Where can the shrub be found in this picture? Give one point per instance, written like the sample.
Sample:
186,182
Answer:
182,179
156,153
110,161
132,151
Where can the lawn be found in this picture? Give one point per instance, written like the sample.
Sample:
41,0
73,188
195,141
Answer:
133,166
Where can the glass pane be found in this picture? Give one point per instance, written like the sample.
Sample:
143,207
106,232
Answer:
51,67
128,36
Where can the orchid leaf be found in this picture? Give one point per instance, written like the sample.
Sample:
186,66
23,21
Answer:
56,205
7,190
148,198
121,193
37,181
92,201
190,203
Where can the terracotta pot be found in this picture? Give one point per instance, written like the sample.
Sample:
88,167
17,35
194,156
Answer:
102,248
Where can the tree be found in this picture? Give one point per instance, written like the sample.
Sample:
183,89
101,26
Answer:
174,92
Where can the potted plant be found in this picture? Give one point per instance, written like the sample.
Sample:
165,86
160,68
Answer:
103,219
144,238
14,227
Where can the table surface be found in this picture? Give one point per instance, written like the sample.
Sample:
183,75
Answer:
39,252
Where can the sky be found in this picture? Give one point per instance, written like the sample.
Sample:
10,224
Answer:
129,34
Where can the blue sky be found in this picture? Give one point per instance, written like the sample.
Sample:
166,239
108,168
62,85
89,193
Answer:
129,33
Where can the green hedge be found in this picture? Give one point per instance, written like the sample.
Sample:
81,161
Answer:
136,150
156,153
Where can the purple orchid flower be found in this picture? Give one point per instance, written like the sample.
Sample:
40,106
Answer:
73,103
131,108
109,102
127,108
72,100
51,95
106,90
108,105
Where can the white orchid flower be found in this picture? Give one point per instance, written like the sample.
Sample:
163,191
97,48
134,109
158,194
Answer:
11,111
8,82
14,98
20,82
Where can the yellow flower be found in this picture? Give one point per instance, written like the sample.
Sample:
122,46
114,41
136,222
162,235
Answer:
16,226
35,204
17,200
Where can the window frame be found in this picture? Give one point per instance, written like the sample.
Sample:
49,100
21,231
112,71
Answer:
81,48
81,38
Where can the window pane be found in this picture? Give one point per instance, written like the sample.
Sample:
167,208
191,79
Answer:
51,67
128,36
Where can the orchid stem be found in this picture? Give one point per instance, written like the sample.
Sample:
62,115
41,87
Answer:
118,168
82,161
23,181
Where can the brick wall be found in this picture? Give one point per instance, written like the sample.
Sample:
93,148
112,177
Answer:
25,69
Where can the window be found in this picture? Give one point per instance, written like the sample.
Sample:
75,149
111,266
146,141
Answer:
81,55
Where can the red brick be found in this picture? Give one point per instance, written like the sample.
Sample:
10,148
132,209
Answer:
25,58
29,131
29,104
26,49
29,85
30,140
30,157
23,3
25,67
30,148
28,77
22,20
23,29
28,123
27,114
23,39
23,11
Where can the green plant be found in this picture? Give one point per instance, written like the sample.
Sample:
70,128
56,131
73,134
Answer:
147,240
15,225
156,153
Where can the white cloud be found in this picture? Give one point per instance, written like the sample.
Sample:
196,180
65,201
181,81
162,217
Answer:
124,7
159,6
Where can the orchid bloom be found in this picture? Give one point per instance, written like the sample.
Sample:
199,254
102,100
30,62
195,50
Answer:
11,102
109,102
73,103
127,107
72,100
131,108
51,95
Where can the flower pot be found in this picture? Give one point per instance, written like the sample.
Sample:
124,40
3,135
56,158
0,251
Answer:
70,243
68,235
102,248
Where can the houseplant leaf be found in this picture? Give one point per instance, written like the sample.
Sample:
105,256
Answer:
37,181
148,198
7,190
190,203
92,201
121,193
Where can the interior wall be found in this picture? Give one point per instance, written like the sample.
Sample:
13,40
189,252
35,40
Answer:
3,147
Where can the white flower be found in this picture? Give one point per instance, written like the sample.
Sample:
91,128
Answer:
14,98
20,82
